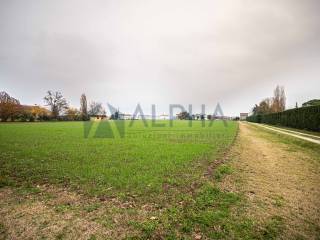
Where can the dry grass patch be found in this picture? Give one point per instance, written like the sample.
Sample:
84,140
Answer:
55,213
281,185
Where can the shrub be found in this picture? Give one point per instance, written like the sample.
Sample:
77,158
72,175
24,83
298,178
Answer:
301,118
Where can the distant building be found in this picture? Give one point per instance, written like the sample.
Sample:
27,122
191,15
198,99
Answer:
38,112
163,117
199,116
98,118
243,116
125,116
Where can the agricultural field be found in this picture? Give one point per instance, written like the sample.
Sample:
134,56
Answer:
96,159
113,180
162,168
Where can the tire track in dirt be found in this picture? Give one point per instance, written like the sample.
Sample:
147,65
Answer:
306,137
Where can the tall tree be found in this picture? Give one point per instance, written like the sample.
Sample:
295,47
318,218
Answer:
265,106
283,99
56,102
279,100
183,115
95,109
84,107
272,105
255,109
9,107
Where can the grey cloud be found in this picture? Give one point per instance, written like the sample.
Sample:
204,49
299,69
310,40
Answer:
160,52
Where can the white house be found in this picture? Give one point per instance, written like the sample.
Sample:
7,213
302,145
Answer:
243,116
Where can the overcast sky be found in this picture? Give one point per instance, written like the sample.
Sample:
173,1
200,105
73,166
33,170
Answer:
159,52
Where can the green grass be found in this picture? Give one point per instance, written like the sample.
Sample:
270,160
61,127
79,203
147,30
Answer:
156,165
221,171
141,162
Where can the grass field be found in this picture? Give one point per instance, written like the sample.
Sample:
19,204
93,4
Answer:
110,180
168,169
141,162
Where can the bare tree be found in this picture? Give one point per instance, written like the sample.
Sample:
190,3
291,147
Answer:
279,100
272,105
95,109
264,107
56,102
282,99
84,107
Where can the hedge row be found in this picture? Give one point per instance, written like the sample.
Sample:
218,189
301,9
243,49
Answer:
301,118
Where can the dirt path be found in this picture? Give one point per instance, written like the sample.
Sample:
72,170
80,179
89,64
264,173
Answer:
281,182
303,136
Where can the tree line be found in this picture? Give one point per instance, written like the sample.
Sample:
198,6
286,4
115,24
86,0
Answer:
306,117
274,104
272,111
187,116
59,109
277,103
